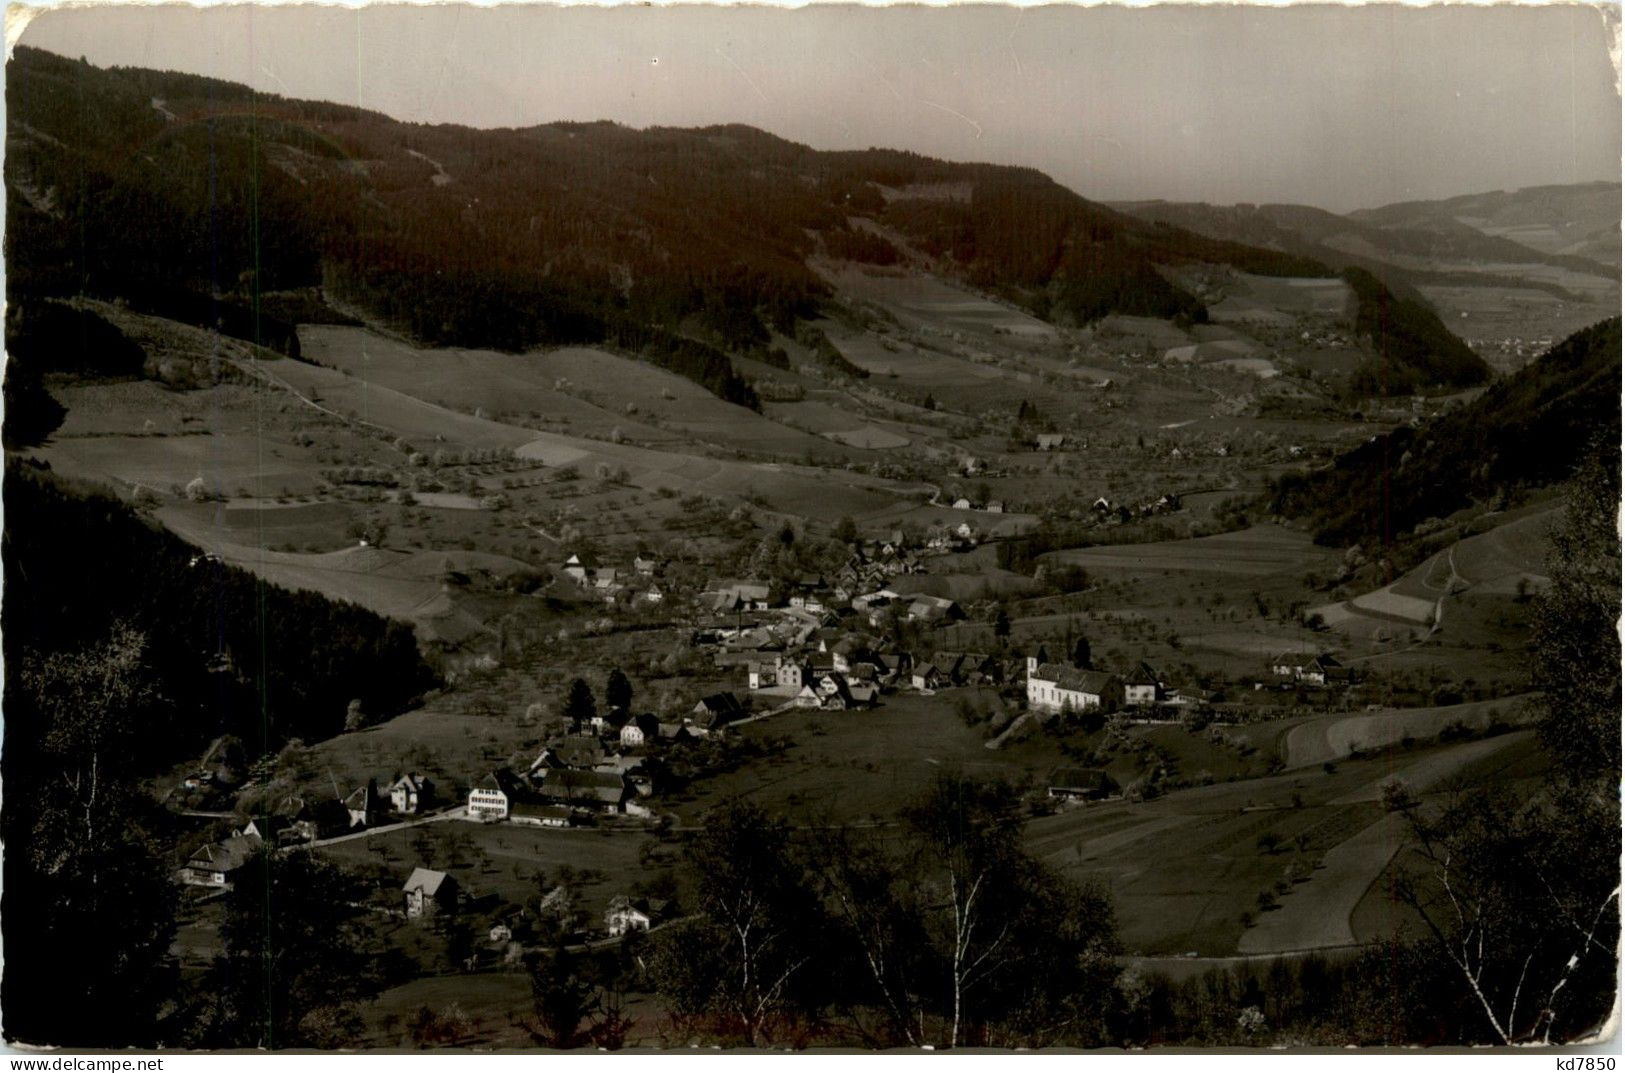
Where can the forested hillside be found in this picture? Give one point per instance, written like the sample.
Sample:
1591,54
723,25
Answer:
213,204
1414,351
1528,430
229,653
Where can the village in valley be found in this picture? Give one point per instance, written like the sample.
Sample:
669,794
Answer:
585,586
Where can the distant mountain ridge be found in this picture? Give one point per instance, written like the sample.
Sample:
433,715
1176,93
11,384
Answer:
1578,220
1367,239
206,199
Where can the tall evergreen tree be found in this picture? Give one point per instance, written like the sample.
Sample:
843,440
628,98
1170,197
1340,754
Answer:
579,706
618,690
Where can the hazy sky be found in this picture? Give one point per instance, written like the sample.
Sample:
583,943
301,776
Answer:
1331,106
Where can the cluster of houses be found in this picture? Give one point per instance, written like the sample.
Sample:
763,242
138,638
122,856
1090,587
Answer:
638,586
429,895
295,820
577,777
1107,511
1312,670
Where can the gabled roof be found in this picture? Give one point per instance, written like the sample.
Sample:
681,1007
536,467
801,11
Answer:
411,781
1070,678
647,723
1142,675
577,750
718,704
226,856
604,787
427,880
501,780
538,810
649,907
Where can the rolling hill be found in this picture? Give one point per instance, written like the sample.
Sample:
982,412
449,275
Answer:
1575,221
209,202
1510,272
1527,430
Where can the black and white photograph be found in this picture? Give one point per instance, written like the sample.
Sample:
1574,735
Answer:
891,529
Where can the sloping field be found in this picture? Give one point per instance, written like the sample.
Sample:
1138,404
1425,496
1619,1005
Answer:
1335,737
502,385
421,422
1247,297
919,300
790,488
941,372
1244,643
1487,563
614,383
226,462
1186,868
593,389
399,584
869,438
1381,610
1317,914
850,427
803,490
1255,552
1436,770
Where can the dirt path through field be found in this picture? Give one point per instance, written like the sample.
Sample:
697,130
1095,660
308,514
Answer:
1316,914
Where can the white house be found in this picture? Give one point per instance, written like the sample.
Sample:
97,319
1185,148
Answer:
762,675
428,892
535,814
411,793
213,865
1142,688
640,729
494,797
632,914
1054,687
